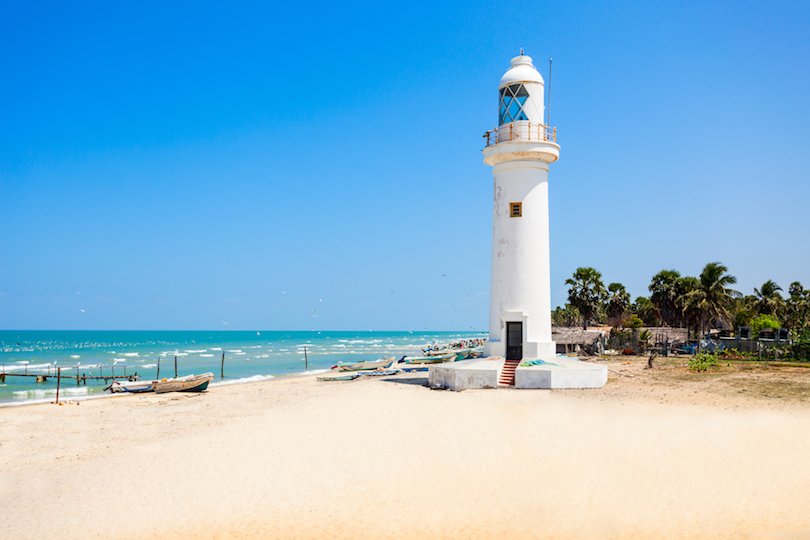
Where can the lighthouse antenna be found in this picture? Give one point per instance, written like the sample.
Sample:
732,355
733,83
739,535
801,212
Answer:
548,108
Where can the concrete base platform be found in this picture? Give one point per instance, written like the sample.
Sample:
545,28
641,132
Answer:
560,372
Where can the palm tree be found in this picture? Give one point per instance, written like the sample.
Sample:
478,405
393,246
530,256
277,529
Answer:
769,301
664,292
586,292
645,310
798,307
618,303
690,315
711,300
743,310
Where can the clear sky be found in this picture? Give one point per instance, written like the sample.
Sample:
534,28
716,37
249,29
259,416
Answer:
284,165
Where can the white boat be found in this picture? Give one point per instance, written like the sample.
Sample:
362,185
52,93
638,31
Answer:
132,387
189,383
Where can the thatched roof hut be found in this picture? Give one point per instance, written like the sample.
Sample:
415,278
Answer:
575,339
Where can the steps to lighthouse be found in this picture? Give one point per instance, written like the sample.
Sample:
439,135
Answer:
507,377
495,372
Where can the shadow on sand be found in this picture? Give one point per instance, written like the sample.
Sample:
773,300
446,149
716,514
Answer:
416,380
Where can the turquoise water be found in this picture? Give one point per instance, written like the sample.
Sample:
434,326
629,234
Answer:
248,355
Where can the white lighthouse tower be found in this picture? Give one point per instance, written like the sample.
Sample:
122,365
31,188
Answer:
519,151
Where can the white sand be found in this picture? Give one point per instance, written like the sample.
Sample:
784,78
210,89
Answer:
377,459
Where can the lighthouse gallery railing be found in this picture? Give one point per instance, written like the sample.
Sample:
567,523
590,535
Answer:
520,131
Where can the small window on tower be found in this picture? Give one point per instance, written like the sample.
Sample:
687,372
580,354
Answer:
515,209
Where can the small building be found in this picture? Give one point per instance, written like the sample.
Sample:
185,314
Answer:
573,339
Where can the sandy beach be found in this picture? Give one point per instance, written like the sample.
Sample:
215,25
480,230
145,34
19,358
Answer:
655,453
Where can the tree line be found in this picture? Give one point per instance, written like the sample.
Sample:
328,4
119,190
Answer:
698,303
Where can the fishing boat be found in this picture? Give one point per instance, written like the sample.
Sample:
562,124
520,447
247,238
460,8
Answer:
189,383
366,365
378,373
414,369
430,359
460,354
346,377
131,387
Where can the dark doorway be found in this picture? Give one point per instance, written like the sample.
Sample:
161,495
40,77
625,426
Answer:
514,341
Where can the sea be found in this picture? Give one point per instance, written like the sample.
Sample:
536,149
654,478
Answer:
249,355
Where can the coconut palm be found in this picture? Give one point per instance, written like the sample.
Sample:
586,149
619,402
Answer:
711,300
769,301
586,292
690,315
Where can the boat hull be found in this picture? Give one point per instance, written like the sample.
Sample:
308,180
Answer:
135,387
347,377
430,359
366,366
192,383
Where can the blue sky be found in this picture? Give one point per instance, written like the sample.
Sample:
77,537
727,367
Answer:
317,166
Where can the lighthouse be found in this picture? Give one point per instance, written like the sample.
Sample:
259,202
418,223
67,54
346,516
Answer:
520,151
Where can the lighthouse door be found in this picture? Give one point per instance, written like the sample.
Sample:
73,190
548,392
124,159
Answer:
514,341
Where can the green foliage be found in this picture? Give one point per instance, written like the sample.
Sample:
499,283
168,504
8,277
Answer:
797,307
664,293
800,349
743,310
712,299
586,292
618,303
702,362
566,315
769,301
644,309
764,322
690,313
734,354
634,322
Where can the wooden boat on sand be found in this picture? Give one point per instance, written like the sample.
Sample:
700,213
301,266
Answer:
449,357
346,377
131,387
379,373
461,354
189,383
366,365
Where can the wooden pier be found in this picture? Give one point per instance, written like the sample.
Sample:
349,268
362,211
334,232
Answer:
80,378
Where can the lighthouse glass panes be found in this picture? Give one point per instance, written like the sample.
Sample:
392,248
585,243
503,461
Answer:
513,99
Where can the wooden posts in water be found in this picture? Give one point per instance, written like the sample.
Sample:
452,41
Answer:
58,382
157,376
175,367
222,367
306,360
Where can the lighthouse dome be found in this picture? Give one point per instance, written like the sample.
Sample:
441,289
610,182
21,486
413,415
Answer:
521,93
522,70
